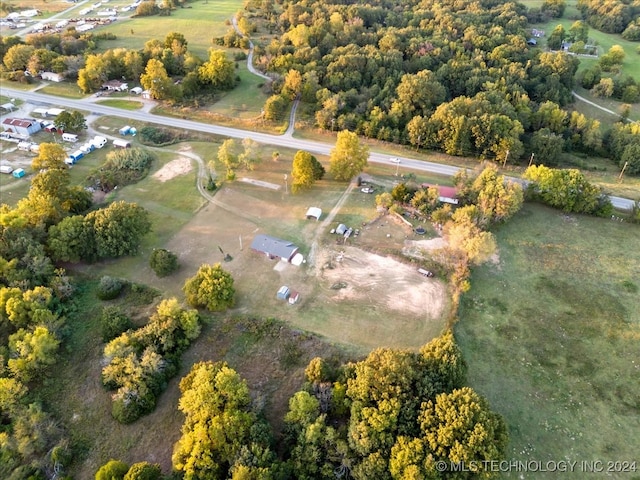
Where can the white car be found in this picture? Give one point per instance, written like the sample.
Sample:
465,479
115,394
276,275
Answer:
367,190
394,160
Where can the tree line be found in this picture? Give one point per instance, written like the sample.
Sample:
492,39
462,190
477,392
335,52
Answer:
393,415
55,222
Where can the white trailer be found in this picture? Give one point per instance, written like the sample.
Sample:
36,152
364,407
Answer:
70,137
119,143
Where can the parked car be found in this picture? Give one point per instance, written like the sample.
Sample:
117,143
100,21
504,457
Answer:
367,190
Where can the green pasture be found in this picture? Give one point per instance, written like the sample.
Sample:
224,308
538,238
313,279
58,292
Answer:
121,103
200,21
551,336
62,89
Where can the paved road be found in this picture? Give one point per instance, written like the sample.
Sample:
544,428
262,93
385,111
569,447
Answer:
279,140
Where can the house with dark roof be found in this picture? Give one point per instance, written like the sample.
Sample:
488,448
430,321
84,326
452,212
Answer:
274,247
23,126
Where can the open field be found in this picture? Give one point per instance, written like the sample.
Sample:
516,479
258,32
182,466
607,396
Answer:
200,21
551,336
46,7
62,89
122,103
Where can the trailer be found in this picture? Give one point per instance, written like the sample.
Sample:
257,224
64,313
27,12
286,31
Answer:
87,148
6,169
19,173
69,137
24,146
77,155
125,130
121,143
99,141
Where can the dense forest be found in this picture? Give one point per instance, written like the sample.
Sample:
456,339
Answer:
460,77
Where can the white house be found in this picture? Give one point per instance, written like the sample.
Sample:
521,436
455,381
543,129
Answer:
51,76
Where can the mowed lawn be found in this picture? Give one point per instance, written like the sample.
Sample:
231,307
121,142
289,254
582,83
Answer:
552,337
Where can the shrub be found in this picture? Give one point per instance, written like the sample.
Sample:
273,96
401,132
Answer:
122,167
109,288
112,470
163,262
113,322
159,136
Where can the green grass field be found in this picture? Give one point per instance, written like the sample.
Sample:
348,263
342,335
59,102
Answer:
199,22
62,89
551,336
122,103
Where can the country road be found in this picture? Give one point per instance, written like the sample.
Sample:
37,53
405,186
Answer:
287,141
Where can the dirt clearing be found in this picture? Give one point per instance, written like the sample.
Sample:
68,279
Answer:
374,279
179,166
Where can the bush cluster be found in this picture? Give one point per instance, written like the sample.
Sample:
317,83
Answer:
122,167
139,362
160,137
109,288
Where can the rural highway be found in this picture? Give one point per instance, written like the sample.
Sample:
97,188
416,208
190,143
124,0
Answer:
268,139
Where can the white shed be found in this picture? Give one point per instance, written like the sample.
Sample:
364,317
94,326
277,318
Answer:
314,212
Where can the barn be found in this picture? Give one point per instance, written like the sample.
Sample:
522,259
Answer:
22,126
274,247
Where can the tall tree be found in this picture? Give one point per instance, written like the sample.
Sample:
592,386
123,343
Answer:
156,80
71,122
118,229
218,71
349,157
305,171
211,288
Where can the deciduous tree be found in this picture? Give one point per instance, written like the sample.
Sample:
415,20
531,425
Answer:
306,170
349,157
211,288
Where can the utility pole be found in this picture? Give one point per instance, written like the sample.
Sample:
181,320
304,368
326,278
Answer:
506,156
531,159
622,172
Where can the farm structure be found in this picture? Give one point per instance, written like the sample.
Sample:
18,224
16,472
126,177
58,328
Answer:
445,194
23,126
115,86
314,212
274,247
51,76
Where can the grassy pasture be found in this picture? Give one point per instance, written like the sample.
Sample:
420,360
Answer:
551,337
62,89
46,7
122,103
199,22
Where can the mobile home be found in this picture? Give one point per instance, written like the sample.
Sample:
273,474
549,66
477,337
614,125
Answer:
121,143
69,137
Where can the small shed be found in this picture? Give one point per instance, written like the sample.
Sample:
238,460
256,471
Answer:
19,173
341,229
283,293
293,297
8,107
314,212
532,42
125,130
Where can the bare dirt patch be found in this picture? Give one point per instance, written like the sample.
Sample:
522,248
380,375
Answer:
179,166
375,279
